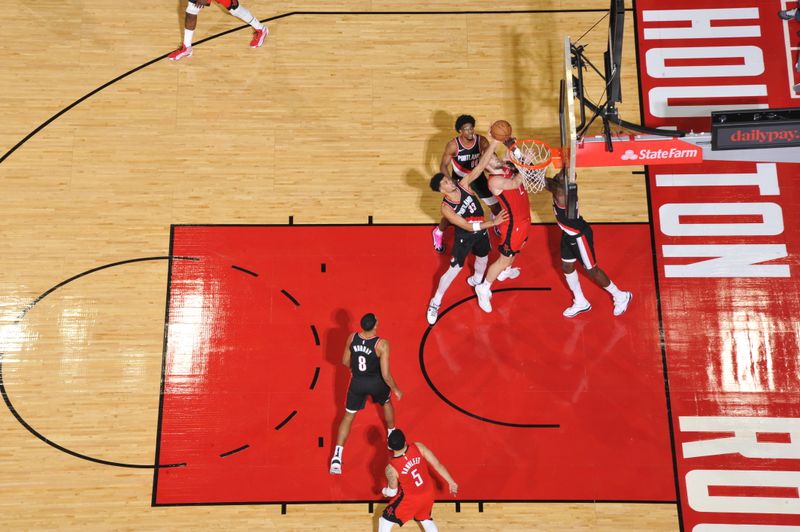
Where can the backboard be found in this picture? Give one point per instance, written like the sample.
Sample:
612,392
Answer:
569,135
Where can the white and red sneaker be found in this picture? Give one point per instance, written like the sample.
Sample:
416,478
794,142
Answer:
180,53
508,273
258,37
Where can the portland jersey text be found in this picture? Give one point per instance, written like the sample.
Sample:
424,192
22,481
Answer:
468,206
466,158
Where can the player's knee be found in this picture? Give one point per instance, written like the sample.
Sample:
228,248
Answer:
567,267
192,8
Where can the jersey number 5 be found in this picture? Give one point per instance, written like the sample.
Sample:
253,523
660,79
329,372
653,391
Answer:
417,477
362,363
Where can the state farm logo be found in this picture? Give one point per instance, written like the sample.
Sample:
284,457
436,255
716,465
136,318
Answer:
660,154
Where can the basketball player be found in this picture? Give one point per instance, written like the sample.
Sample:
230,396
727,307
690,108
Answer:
577,243
462,154
506,184
193,7
367,355
410,484
462,209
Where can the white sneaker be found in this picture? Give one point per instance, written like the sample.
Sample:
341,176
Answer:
577,308
508,273
622,305
472,282
484,294
336,466
433,312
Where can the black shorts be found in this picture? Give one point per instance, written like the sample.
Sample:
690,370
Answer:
361,387
579,247
464,242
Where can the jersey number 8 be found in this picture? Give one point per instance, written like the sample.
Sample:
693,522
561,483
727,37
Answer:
362,363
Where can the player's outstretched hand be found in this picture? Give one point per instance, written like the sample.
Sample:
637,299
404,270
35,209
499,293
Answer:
398,393
500,217
453,488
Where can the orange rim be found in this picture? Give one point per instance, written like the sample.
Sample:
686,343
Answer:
536,166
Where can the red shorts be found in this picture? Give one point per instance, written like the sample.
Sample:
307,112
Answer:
404,508
513,237
224,3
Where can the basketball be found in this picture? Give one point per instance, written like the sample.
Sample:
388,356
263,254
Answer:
500,130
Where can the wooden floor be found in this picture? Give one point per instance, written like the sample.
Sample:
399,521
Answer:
337,118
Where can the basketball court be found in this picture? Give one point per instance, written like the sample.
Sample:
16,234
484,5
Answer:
188,246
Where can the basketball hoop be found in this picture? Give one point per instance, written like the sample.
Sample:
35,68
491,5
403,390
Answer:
531,157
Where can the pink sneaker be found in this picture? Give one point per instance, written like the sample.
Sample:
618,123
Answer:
180,53
438,244
258,37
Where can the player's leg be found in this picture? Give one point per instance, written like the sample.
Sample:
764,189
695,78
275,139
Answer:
585,247
480,248
789,14
244,14
461,247
382,394
384,525
189,25
356,400
429,526
569,255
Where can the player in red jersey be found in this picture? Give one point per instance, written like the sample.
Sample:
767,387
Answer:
506,184
411,484
193,8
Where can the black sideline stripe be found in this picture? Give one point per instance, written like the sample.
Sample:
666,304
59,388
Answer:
293,300
242,448
248,272
285,421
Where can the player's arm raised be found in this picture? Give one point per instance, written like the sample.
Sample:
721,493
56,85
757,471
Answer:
428,455
346,356
451,216
450,151
383,353
486,156
391,478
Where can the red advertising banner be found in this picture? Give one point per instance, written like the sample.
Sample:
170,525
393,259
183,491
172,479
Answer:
629,150
726,236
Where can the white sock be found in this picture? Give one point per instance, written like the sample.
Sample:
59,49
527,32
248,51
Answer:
338,451
243,14
480,267
389,431
438,231
613,290
444,283
574,283
486,283
187,38
429,526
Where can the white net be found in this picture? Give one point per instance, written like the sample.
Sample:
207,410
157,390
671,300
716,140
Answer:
531,157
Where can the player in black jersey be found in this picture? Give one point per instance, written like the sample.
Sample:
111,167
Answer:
577,243
367,356
460,156
462,209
